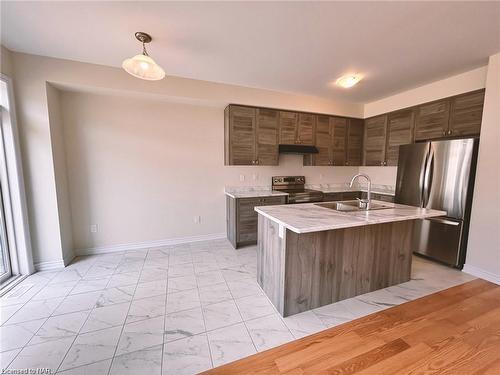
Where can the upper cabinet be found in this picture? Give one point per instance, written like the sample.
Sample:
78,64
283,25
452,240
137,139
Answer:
375,140
339,142
240,139
355,142
466,114
324,142
384,134
267,121
457,116
305,129
339,147
288,127
296,128
432,120
400,125
251,136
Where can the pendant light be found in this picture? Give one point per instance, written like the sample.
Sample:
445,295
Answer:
142,66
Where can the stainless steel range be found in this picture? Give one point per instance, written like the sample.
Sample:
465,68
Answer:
294,186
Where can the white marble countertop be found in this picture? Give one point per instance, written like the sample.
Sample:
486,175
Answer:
266,191
254,193
308,217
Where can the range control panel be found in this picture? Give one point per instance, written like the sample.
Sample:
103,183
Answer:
289,180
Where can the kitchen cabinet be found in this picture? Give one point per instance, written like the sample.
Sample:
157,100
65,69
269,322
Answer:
241,218
457,116
251,136
400,125
288,127
341,196
267,121
240,135
354,142
431,120
305,129
296,128
466,114
351,195
324,143
378,197
339,141
375,140
339,150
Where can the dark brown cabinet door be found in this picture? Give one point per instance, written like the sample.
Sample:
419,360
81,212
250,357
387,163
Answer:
355,132
466,114
242,222
324,141
247,219
267,122
305,129
288,127
339,151
375,140
241,135
431,120
399,132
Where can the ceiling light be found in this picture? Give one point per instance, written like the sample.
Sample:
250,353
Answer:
348,80
142,66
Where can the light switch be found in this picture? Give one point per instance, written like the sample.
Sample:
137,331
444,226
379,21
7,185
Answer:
242,177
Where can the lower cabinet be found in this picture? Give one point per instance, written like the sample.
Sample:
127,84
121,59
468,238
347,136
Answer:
379,197
351,195
241,218
341,196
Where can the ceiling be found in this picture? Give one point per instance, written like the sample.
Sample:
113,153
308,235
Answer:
298,47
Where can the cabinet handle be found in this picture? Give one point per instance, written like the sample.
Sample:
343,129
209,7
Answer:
444,132
450,131
346,163
381,163
257,161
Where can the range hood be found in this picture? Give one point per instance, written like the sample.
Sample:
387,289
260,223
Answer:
297,149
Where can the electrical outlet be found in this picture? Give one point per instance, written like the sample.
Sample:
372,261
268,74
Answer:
197,219
242,177
93,228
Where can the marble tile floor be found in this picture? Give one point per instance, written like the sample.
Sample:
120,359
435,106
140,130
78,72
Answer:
170,310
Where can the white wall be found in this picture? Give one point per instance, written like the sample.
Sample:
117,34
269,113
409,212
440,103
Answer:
60,171
143,169
483,254
42,159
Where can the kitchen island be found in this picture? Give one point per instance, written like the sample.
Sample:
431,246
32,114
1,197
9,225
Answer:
310,255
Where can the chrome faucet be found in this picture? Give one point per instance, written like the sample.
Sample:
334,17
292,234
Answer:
364,203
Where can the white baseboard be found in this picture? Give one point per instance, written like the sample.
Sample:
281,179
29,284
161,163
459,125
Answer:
478,272
50,265
148,244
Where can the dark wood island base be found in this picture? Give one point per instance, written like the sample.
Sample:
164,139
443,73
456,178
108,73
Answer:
299,272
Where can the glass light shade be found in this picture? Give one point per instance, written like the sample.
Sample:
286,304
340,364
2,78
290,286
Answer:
144,67
348,80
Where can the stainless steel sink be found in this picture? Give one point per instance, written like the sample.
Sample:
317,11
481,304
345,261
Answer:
347,206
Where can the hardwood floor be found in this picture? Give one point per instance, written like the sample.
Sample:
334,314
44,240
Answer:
455,331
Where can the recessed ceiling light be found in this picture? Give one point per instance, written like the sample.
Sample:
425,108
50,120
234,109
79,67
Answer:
348,80
142,66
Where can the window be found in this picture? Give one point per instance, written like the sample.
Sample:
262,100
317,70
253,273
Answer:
15,246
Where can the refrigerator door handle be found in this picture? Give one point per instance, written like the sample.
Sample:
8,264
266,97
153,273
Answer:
429,171
421,180
443,221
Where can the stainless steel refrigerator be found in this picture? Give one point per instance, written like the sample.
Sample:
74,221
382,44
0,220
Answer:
439,175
